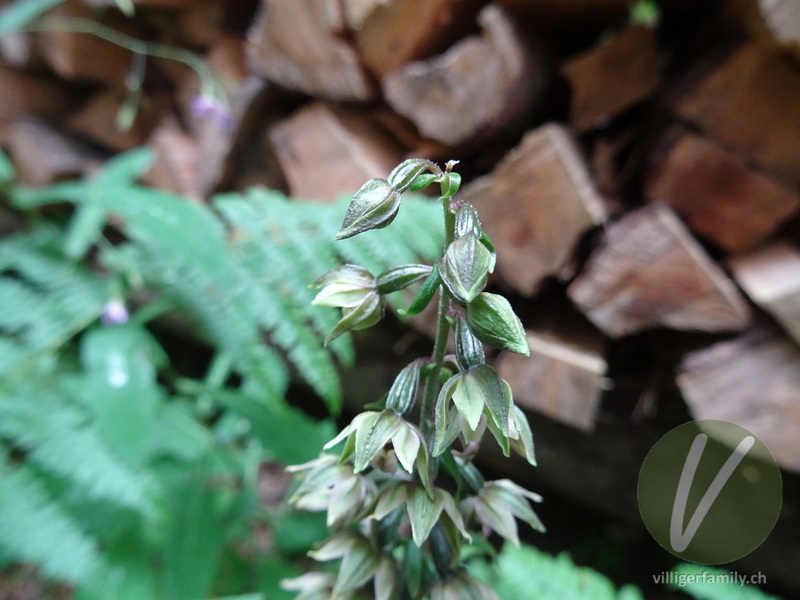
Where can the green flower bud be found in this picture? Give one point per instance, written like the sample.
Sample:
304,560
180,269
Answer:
492,320
401,277
365,315
469,350
450,184
344,287
403,392
404,174
467,221
465,268
374,206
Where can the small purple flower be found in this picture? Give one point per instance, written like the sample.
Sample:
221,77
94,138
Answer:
211,107
114,313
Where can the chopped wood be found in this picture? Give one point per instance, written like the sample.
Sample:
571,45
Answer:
722,198
33,95
650,272
18,50
399,31
83,57
43,155
536,205
480,86
612,77
749,103
563,378
300,45
223,138
327,151
752,381
97,120
771,278
175,168
782,18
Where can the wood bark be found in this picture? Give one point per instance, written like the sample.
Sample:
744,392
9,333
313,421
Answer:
327,152
753,381
720,196
771,278
97,120
749,102
395,32
612,77
479,87
650,272
300,44
536,205
563,378
43,155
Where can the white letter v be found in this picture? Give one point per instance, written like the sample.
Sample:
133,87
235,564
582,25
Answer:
680,540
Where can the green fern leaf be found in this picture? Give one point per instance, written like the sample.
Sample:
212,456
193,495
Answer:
35,529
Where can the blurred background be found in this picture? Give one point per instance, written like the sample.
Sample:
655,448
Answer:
172,174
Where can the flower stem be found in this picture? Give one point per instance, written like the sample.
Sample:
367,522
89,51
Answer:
442,331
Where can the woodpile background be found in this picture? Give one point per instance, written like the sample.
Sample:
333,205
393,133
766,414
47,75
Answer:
640,183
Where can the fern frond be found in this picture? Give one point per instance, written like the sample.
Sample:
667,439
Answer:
46,298
59,440
35,529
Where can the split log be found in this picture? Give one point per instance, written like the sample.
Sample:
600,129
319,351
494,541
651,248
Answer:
650,272
43,155
326,152
300,44
97,120
82,57
563,378
719,195
611,78
25,94
396,32
752,381
782,18
175,168
224,139
536,205
749,103
771,278
481,86
18,50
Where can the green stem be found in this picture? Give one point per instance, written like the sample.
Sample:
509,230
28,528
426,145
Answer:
442,331
80,25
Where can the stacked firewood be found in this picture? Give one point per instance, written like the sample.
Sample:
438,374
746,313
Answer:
637,170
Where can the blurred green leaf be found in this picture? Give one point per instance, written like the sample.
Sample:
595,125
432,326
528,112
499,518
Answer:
22,12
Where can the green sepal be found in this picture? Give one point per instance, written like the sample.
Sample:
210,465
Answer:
467,221
362,316
490,247
374,206
523,443
408,171
492,320
425,294
441,414
423,181
398,278
372,435
423,512
465,268
403,392
450,183
495,393
469,350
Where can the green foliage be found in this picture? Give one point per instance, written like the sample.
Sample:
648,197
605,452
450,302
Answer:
525,572
22,12
120,475
708,583
240,275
